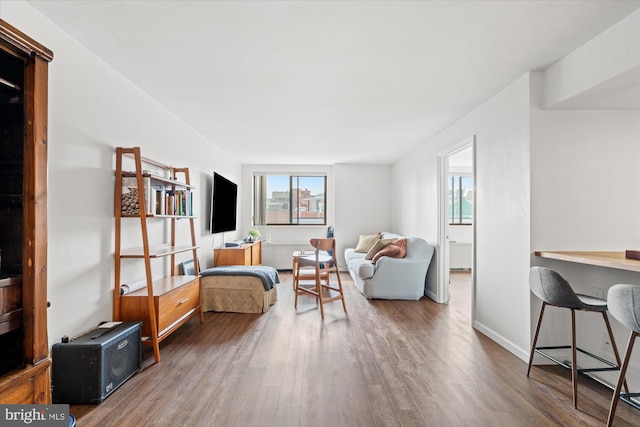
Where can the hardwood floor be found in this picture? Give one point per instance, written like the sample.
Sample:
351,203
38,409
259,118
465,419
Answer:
383,363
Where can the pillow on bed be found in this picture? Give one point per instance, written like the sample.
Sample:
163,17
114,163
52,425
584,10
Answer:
366,242
379,245
397,249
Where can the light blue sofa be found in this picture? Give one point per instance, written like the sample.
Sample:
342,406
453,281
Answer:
392,278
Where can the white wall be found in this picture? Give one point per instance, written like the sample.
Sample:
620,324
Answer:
585,180
361,194
93,109
501,126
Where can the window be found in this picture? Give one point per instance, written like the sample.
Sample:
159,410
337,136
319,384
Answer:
460,199
289,200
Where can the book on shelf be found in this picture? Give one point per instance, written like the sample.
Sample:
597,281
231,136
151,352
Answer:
159,197
159,200
179,202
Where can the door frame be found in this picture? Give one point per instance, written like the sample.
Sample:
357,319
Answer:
443,258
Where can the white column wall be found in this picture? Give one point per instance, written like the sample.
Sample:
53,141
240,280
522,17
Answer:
501,126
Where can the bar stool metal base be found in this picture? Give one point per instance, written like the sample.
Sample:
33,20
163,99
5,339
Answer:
610,365
617,395
626,398
574,350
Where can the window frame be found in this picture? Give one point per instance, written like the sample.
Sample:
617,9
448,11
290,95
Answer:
260,209
452,186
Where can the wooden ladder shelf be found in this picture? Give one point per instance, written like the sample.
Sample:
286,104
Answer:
163,304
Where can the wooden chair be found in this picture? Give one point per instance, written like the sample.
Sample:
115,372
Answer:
323,262
308,273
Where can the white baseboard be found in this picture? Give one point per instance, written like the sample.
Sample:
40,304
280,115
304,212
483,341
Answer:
432,295
511,347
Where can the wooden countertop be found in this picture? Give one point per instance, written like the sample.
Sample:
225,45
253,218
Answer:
611,259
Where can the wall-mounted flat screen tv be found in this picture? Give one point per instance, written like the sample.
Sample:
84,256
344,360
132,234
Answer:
224,199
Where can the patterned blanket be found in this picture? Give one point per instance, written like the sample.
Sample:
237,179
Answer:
268,275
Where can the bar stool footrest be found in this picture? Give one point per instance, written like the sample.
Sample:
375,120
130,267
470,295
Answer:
626,398
610,365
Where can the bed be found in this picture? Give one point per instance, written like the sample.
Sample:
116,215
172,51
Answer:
239,289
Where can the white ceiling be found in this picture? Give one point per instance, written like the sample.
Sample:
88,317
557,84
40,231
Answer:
323,82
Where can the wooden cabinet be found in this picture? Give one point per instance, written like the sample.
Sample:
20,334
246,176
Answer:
245,254
166,303
10,304
24,345
174,299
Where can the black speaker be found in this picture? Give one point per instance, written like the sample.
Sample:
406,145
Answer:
90,367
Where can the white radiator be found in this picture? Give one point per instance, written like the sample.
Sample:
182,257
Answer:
459,255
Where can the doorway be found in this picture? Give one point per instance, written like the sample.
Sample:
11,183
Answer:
456,216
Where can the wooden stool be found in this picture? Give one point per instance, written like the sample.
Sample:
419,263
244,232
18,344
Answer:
323,262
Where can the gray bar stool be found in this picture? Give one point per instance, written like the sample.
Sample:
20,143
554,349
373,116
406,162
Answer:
554,290
624,305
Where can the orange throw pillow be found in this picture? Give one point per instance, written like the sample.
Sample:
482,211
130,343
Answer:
397,249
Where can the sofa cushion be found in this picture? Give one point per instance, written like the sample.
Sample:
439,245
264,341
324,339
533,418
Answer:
350,254
378,246
366,242
396,249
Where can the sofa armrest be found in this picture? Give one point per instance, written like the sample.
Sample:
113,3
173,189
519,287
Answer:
401,272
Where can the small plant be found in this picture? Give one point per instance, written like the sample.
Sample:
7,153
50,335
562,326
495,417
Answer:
254,233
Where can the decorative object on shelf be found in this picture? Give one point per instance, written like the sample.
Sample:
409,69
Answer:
253,233
130,203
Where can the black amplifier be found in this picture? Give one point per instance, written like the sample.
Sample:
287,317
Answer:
91,366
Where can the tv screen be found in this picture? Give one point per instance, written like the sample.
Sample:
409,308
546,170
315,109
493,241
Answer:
223,204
